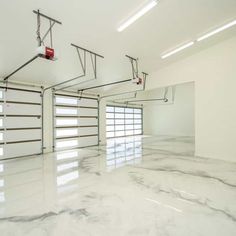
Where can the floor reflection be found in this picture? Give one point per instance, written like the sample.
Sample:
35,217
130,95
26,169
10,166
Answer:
123,151
21,185
67,175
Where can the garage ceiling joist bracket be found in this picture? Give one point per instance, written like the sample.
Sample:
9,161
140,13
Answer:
135,71
93,57
134,65
52,22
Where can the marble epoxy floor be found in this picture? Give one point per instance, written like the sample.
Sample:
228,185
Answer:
133,186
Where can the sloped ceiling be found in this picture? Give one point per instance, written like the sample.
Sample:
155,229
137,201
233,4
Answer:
92,24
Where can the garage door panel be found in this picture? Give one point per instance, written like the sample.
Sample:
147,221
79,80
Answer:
87,121
76,131
88,141
78,117
21,149
88,131
88,112
21,96
22,122
87,102
21,135
75,112
21,109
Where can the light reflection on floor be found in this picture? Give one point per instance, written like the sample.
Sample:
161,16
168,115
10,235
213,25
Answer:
132,186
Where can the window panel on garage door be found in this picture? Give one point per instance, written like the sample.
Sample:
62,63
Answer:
123,121
20,122
75,121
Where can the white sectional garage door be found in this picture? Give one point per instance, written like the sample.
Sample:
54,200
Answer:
75,121
20,122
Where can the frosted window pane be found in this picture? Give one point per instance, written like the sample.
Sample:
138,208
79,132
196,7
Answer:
130,116
64,100
64,111
129,127
66,122
129,132
110,134
110,109
119,109
128,110
119,116
138,132
120,127
110,128
119,133
66,132
110,122
110,115
119,122
138,111
137,116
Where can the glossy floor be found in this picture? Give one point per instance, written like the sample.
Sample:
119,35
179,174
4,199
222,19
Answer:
133,186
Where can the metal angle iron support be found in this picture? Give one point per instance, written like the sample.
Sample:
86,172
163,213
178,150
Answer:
134,65
83,64
165,99
126,104
52,22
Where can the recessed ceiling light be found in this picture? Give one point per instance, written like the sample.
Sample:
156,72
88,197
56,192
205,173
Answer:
217,30
137,15
177,50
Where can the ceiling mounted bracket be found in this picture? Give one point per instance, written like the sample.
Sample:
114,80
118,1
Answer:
93,57
134,65
52,22
82,54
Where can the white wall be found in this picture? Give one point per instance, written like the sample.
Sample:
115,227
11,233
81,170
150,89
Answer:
214,73
172,118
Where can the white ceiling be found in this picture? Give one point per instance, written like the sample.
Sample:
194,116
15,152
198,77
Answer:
92,24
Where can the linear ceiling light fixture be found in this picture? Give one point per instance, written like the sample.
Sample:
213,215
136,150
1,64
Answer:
224,27
218,30
187,45
137,15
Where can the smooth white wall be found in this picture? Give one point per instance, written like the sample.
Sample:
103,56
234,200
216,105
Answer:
214,72
172,118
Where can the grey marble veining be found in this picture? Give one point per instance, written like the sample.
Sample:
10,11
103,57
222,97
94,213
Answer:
134,186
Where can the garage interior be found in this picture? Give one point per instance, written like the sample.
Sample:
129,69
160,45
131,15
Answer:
118,118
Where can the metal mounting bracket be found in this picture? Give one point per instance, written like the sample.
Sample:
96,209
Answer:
82,54
52,22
